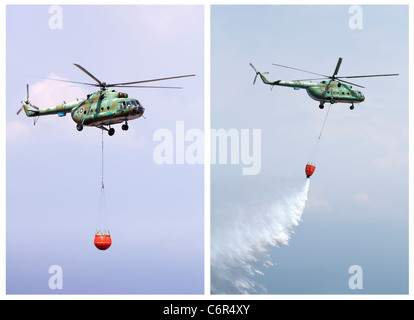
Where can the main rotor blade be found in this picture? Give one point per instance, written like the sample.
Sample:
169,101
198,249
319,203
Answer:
370,76
143,81
354,84
338,65
89,74
313,79
253,67
84,83
144,87
318,74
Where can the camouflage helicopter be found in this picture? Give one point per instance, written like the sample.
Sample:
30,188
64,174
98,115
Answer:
334,90
100,109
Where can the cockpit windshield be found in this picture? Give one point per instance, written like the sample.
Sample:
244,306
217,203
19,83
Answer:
136,103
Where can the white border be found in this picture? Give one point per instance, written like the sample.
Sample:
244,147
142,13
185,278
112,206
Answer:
207,296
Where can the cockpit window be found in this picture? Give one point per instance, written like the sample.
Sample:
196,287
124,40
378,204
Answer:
128,104
133,103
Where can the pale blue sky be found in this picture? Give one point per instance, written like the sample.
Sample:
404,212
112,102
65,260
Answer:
156,212
357,211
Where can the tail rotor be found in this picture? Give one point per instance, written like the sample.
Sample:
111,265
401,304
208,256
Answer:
257,73
27,102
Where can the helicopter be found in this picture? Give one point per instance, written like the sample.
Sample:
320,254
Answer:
100,109
332,89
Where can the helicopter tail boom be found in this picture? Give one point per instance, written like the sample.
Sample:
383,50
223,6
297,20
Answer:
33,111
294,84
60,110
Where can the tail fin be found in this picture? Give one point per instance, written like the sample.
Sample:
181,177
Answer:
29,110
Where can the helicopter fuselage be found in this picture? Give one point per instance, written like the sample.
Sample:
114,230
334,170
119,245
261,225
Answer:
105,107
336,92
324,91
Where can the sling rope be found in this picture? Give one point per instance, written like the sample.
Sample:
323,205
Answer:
102,238
102,219
323,126
312,155
102,186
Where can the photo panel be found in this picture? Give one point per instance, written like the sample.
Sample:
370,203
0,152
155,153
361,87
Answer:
105,194
309,149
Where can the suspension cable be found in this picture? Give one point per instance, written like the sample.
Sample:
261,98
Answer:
323,126
313,153
102,187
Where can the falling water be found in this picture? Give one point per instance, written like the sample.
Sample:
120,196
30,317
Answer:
242,238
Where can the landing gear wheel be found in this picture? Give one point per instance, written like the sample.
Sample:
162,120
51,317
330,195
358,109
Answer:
321,106
111,131
351,107
79,126
125,127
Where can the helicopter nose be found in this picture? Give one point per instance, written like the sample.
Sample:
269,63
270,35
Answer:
138,110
